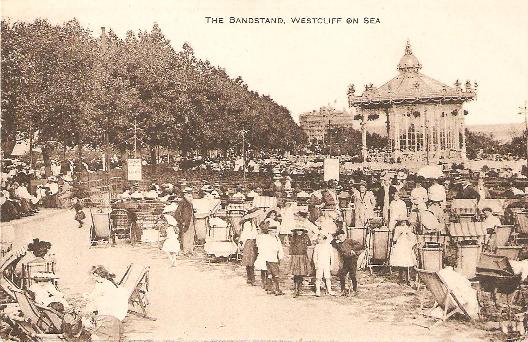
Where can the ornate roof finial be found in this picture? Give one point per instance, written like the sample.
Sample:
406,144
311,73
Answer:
408,50
409,62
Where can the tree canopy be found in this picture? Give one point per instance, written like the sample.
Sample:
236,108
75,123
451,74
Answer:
73,88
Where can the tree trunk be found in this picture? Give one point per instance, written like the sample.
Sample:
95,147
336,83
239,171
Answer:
152,155
46,156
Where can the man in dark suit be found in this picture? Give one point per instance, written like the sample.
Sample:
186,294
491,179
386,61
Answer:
468,191
385,195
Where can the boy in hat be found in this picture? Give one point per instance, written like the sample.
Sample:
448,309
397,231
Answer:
271,249
323,258
348,250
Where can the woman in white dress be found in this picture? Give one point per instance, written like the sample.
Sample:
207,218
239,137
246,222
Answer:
171,245
397,211
107,306
402,253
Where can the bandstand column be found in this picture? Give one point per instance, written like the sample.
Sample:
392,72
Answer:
396,119
424,134
364,136
463,131
456,133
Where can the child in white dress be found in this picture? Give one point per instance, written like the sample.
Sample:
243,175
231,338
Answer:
171,245
402,254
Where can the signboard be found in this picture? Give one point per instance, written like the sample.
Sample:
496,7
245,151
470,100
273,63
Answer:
134,169
331,169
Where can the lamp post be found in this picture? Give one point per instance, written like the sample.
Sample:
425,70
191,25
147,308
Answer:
524,110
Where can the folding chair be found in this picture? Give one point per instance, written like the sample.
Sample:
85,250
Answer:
45,320
521,225
121,225
9,279
101,230
502,234
443,296
379,248
31,267
136,282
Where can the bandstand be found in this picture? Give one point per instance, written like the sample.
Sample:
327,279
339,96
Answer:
424,117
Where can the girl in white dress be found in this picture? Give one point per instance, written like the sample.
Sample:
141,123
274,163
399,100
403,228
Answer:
171,245
402,253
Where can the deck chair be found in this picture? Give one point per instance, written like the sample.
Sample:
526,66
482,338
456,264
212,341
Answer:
136,282
45,320
379,248
502,234
120,223
8,278
28,269
443,296
101,230
521,225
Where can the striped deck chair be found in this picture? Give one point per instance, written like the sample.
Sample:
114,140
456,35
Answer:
443,296
265,202
521,227
466,230
136,282
45,320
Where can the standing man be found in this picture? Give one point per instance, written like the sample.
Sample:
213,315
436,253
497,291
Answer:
364,203
385,195
184,215
468,191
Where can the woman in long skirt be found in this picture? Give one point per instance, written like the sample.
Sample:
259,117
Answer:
299,262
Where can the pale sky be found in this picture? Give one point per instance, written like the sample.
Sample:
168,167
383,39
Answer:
305,66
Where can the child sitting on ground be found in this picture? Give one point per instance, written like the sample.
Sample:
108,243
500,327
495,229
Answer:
323,258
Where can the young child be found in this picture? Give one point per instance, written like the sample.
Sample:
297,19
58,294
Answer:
171,245
402,254
323,258
299,263
349,251
79,213
260,261
270,251
274,253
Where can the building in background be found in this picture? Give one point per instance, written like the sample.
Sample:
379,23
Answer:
316,124
424,117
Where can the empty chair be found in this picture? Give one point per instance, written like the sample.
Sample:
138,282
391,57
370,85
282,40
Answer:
443,295
101,230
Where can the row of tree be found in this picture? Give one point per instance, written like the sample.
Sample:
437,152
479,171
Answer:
481,145
62,85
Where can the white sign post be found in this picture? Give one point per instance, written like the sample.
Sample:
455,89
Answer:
331,169
134,169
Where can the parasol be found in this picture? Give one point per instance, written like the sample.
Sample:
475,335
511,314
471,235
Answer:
431,171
